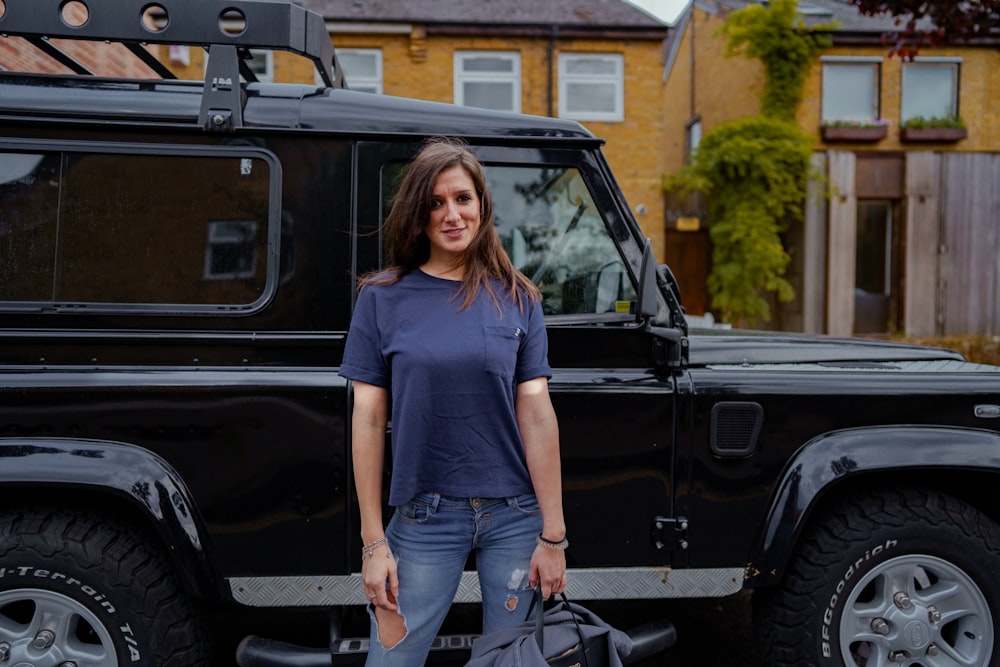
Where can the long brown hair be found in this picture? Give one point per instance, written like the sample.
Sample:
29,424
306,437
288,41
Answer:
406,226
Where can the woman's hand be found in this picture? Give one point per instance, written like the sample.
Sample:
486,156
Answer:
380,579
548,570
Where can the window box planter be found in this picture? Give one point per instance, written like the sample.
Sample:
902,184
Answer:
875,133
939,134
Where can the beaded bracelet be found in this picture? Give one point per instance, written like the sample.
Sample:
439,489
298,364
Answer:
559,546
368,550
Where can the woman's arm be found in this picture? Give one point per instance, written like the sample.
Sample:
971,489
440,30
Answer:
539,428
371,405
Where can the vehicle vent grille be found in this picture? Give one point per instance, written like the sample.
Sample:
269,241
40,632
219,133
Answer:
736,427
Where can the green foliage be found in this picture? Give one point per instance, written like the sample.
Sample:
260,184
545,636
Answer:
921,123
878,122
787,47
755,171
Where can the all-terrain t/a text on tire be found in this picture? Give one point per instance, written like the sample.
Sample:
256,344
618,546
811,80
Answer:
81,590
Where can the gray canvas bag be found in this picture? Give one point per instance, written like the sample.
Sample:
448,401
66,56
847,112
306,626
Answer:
567,635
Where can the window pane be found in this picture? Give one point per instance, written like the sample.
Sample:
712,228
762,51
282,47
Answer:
487,64
849,92
553,232
499,96
358,65
591,66
583,97
133,229
928,91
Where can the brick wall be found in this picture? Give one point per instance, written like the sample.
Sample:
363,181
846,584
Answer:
102,59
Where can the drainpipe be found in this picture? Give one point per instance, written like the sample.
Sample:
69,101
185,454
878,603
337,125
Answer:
553,35
691,82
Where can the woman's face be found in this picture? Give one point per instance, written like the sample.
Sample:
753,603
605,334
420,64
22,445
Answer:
455,215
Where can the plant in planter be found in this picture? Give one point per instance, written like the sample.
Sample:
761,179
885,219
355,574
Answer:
853,130
939,128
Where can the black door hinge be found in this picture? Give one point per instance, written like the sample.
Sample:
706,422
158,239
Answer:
670,534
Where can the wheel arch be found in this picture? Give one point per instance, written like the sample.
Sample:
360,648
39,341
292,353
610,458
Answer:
964,463
126,482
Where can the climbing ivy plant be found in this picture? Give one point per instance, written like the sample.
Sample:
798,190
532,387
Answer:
756,169
776,35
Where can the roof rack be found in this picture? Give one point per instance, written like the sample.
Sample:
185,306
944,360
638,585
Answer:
228,29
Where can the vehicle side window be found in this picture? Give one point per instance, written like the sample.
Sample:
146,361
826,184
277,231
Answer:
553,232
115,231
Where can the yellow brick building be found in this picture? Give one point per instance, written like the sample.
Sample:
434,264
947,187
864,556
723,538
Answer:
900,232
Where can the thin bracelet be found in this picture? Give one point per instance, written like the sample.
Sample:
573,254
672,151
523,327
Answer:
368,550
559,546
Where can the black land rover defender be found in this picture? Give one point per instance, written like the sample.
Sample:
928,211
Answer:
177,269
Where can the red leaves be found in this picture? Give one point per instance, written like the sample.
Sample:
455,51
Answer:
928,23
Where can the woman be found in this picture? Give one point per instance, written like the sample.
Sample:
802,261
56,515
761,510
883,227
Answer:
452,337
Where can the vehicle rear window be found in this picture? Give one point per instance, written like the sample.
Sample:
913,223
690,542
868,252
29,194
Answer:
161,230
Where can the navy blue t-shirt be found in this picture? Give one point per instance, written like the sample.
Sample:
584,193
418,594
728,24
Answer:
452,376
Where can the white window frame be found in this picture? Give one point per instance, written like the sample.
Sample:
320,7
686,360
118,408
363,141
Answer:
955,64
513,78
267,76
566,109
355,82
873,62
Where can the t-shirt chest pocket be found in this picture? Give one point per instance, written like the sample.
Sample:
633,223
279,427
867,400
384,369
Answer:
502,346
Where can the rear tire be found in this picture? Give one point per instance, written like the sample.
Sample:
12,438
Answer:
900,576
81,589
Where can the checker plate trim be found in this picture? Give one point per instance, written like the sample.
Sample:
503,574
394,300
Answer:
583,584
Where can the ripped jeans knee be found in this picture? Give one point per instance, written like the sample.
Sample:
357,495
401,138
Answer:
390,627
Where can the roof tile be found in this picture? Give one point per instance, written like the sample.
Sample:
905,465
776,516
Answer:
580,13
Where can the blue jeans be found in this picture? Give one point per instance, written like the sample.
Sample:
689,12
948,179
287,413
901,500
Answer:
431,537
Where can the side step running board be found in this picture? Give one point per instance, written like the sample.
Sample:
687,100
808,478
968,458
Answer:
260,652
647,639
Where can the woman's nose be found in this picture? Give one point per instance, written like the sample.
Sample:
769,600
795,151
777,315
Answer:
451,211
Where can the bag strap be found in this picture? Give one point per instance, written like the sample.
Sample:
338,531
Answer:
540,621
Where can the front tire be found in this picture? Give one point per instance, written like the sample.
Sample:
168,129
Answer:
78,589
894,577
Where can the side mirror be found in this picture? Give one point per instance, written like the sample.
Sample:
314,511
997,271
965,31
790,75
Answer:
649,305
